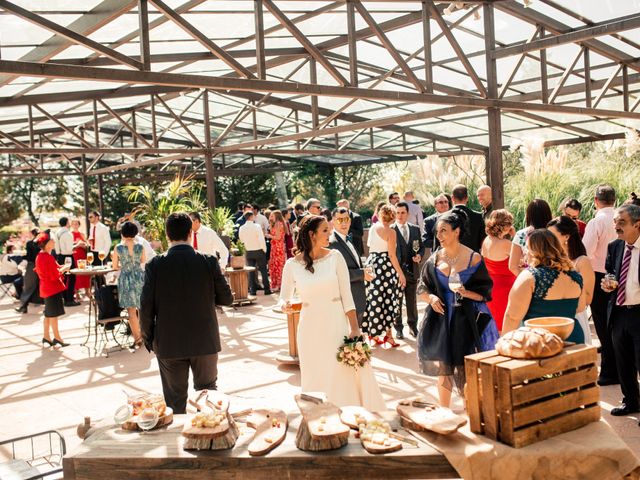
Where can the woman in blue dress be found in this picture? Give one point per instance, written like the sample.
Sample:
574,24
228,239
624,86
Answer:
128,257
549,287
452,329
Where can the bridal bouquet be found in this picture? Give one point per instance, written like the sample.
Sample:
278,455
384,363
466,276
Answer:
354,352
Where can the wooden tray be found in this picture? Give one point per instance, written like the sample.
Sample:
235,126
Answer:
419,415
267,436
164,420
348,416
313,434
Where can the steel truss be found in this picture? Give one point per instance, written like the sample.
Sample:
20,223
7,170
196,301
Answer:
279,96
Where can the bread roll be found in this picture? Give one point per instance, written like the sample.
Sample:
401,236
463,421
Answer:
529,343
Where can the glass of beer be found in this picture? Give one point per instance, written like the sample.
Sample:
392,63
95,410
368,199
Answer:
90,258
82,263
101,256
610,281
296,303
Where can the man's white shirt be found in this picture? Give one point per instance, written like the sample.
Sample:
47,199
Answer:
64,241
263,221
252,236
351,247
210,243
102,237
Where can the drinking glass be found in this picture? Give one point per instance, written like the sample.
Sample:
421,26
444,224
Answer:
455,284
101,256
68,262
296,302
610,281
147,419
416,246
90,258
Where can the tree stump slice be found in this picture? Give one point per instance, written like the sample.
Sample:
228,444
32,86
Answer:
268,436
348,416
419,415
320,428
219,438
166,419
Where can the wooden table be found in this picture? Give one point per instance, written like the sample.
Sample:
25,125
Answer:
291,356
111,453
239,283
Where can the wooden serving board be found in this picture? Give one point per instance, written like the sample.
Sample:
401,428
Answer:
374,448
348,416
267,436
166,419
313,434
419,415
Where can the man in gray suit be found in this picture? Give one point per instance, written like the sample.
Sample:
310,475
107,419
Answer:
339,241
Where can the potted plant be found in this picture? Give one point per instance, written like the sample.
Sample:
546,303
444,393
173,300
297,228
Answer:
220,219
237,251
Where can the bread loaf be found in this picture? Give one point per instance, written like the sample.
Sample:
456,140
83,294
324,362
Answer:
529,343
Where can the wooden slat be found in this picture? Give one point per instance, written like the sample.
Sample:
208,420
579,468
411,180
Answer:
487,371
556,426
571,357
505,409
544,388
472,394
555,406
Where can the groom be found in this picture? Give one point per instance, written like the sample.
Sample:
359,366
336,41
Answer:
177,313
339,241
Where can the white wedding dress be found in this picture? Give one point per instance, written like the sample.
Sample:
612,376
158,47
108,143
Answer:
326,296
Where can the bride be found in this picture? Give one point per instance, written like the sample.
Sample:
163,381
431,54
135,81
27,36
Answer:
321,279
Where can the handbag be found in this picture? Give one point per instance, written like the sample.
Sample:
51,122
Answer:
107,302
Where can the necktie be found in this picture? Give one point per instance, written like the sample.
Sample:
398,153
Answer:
92,240
405,233
349,238
195,240
622,278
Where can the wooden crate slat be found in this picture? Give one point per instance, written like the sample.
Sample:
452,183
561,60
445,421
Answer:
489,417
555,406
571,357
544,388
472,394
505,408
482,355
554,427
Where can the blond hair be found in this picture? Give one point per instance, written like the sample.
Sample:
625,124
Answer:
497,222
545,250
387,213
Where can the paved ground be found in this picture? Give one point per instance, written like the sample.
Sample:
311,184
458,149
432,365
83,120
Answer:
43,389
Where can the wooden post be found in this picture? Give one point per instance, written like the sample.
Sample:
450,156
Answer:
85,193
100,196
208,157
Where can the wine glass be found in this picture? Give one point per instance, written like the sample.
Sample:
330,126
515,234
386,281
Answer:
147,419
101,256
68,262
90,258
416,246
455,284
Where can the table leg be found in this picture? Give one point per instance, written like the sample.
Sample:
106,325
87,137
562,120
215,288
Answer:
291,357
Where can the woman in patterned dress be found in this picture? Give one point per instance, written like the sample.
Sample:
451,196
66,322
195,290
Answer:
384,292
277,256
128,257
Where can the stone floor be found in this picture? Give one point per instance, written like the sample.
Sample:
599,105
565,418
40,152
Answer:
43,389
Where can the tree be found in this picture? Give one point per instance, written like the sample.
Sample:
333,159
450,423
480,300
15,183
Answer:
259,189
36,195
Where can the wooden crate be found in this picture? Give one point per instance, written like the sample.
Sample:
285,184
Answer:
520,402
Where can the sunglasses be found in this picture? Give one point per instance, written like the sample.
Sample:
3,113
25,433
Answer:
342,220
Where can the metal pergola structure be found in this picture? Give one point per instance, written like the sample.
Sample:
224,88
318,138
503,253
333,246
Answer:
130,89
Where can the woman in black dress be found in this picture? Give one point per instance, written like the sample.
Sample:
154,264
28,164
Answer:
30,292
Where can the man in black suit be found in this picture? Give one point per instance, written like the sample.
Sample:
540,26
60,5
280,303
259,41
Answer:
623,311
475,233
357,228
177,313
339,240
408,237
441,204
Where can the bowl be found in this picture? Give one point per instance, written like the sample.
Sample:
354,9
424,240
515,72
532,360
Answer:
561,326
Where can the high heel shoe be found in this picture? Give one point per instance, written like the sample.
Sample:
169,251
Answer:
375,340
60,342
45,341
389,339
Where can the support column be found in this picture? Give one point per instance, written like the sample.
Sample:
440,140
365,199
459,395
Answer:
208,156
100,196
494,161
85,194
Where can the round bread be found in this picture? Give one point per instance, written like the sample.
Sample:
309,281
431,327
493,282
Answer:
529,343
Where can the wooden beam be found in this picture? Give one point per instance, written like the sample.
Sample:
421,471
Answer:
201,38
607,85
69,34
565,76
302,39
575,35
143,22
131,128
259,29
379,32
512,75
426,39
625,88
544,80
353,49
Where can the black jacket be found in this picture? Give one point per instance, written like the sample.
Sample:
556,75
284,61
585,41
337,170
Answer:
615,252
429,236
405,252
357,231
177,312
356,272
475,233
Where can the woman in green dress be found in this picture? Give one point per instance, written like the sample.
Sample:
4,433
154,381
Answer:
549,287
128,257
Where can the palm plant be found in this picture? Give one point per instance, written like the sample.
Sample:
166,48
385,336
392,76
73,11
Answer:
152,206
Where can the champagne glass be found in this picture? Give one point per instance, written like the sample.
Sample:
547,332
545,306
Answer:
101,256
147,419
90,258
455,284
416,246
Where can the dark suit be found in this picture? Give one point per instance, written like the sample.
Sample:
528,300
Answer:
429,236
356,230
411,270
178,319
624,325
475,234
356,273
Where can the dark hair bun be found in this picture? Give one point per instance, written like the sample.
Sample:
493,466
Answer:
456,218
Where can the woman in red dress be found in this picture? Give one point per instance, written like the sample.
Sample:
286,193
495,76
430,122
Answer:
496,250
288,236
278,255
79,253
51,276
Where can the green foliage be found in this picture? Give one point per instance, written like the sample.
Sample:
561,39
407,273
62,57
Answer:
34,196
152,206
258,189
237,249
220,219
5,234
